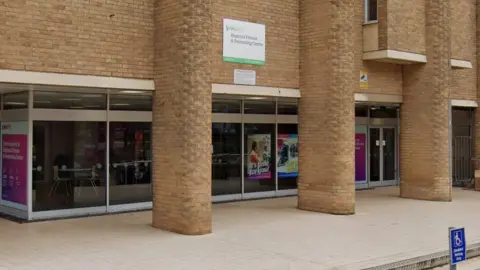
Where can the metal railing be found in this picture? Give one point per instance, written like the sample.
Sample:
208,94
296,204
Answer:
463,162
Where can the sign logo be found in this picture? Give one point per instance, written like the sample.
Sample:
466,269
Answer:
232,28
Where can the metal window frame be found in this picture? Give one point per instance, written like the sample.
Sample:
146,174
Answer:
106,116
244,118
35,114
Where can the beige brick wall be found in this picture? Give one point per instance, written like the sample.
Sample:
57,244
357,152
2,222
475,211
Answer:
463,25
382,18
405,21
95,37
383,78
463,84
281,67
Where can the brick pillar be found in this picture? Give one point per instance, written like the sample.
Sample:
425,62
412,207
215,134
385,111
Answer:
326,110
181,139
477,111
476,136
424,116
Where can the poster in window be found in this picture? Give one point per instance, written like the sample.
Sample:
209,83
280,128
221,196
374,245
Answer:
259,157
14,162
287,155
360,157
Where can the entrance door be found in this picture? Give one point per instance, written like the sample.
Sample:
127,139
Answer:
383,152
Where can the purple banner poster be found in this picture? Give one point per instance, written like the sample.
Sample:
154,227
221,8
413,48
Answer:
360,157
14,163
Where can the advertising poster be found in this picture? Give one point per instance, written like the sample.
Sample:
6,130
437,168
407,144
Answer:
287,155
360,157
259,156
14,162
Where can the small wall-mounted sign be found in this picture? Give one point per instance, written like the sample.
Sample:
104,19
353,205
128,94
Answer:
363,80
245,77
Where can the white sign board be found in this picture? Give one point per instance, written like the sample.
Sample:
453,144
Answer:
242,76
243,42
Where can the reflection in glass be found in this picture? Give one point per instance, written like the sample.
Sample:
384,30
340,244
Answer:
70,101
14,101
259,107
361,111
287,108
68,165
383,112
259,152
131,101
226,158
374,154
226,106
389,143
372,10
287,156
130,162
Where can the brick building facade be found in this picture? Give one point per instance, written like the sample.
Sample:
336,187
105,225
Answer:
409,121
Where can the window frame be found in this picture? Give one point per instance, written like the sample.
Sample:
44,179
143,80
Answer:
367,11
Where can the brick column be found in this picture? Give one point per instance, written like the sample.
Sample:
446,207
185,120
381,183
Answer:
477,110
424,117
326,116
181,139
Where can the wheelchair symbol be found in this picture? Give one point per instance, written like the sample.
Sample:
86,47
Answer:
457,237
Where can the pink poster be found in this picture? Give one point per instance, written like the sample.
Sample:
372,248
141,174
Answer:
360,157
14,162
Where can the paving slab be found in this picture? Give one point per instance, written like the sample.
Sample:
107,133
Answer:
261,234
473,264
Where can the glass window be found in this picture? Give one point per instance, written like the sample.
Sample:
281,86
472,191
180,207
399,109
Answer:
361,111
226,106
14,101
288,108
259,152
226,158
130,162
131,101
68,165
371,10
361,153
259,107
383,112
462,116
70,101
287,156
14,162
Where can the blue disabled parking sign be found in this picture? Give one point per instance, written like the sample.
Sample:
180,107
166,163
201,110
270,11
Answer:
458,246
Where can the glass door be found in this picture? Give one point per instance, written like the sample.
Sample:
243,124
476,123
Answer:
389,147
375,154
383,161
